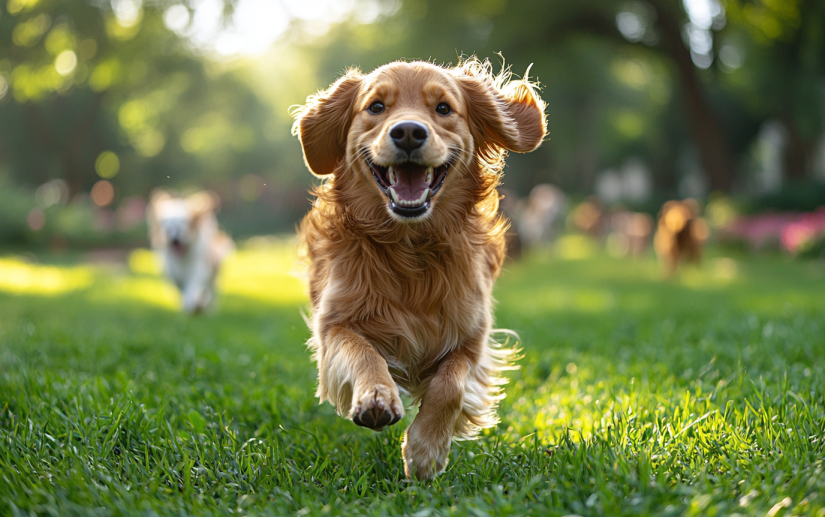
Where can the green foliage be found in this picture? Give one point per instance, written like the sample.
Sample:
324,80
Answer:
82,81
636,396
804,196
15,203
78,79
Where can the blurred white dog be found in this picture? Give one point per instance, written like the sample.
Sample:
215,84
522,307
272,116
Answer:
184,232
540,215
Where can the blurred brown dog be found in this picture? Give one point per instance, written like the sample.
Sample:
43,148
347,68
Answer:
405,243
184,232
680,235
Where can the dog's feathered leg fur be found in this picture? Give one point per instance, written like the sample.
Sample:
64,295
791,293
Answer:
427,440
356,380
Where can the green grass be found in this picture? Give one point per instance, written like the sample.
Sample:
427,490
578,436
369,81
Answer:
702,396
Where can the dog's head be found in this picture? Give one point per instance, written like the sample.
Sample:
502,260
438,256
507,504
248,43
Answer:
407,129
675,215
175,222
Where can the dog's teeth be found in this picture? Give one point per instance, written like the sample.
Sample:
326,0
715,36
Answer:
429,194
394,196
423,197
429,175
391,175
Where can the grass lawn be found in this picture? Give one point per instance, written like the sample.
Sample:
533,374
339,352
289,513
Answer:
702,396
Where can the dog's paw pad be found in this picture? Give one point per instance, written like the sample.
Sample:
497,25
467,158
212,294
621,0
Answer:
377,408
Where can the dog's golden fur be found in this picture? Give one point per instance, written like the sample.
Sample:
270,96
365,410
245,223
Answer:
407,303
680,235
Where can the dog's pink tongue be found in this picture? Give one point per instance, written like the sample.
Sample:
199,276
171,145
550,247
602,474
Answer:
411,181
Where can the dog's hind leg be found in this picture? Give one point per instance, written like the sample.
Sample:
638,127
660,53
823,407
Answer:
427,440
354,377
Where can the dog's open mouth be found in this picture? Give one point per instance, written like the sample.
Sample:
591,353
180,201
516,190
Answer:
177,246
409,187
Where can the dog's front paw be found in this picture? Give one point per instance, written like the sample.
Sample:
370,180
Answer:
377,407
425,453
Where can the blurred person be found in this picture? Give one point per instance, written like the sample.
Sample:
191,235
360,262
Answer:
629,233
184,232
680,235
540,214
589,217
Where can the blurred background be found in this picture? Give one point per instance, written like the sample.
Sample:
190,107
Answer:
648,100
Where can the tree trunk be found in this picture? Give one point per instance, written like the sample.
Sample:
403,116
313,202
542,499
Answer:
587,152
706,132
76,170
798,155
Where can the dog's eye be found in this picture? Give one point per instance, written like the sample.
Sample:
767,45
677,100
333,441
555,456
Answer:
443,109
376,107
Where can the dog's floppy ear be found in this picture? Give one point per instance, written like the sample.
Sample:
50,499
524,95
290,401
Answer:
202,203
509,117
156,199
158,196
323,123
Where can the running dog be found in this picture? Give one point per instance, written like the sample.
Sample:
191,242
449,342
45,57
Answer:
184,232
680,235
404,242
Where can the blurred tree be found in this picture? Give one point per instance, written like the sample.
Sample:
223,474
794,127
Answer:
662,80
83,78
587,54
783,44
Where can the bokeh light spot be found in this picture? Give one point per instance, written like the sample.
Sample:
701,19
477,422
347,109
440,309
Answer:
177,17
66,62
60,38
51,193
107,164
36,219
105,75
103,193
27,33
15,6
128,12
731,56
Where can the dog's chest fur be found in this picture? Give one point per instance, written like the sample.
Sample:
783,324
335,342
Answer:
414,300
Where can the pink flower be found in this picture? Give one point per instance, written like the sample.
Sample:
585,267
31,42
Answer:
791,231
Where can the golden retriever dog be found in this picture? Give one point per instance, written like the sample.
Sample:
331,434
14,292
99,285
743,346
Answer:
405,242
680,235
184,233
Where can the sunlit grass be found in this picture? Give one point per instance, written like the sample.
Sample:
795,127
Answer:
152,290
266,273
265,270
575,247
20,277
700,395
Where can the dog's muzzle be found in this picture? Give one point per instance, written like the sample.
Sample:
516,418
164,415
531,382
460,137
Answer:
409,186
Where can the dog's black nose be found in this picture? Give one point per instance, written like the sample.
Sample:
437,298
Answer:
409,135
